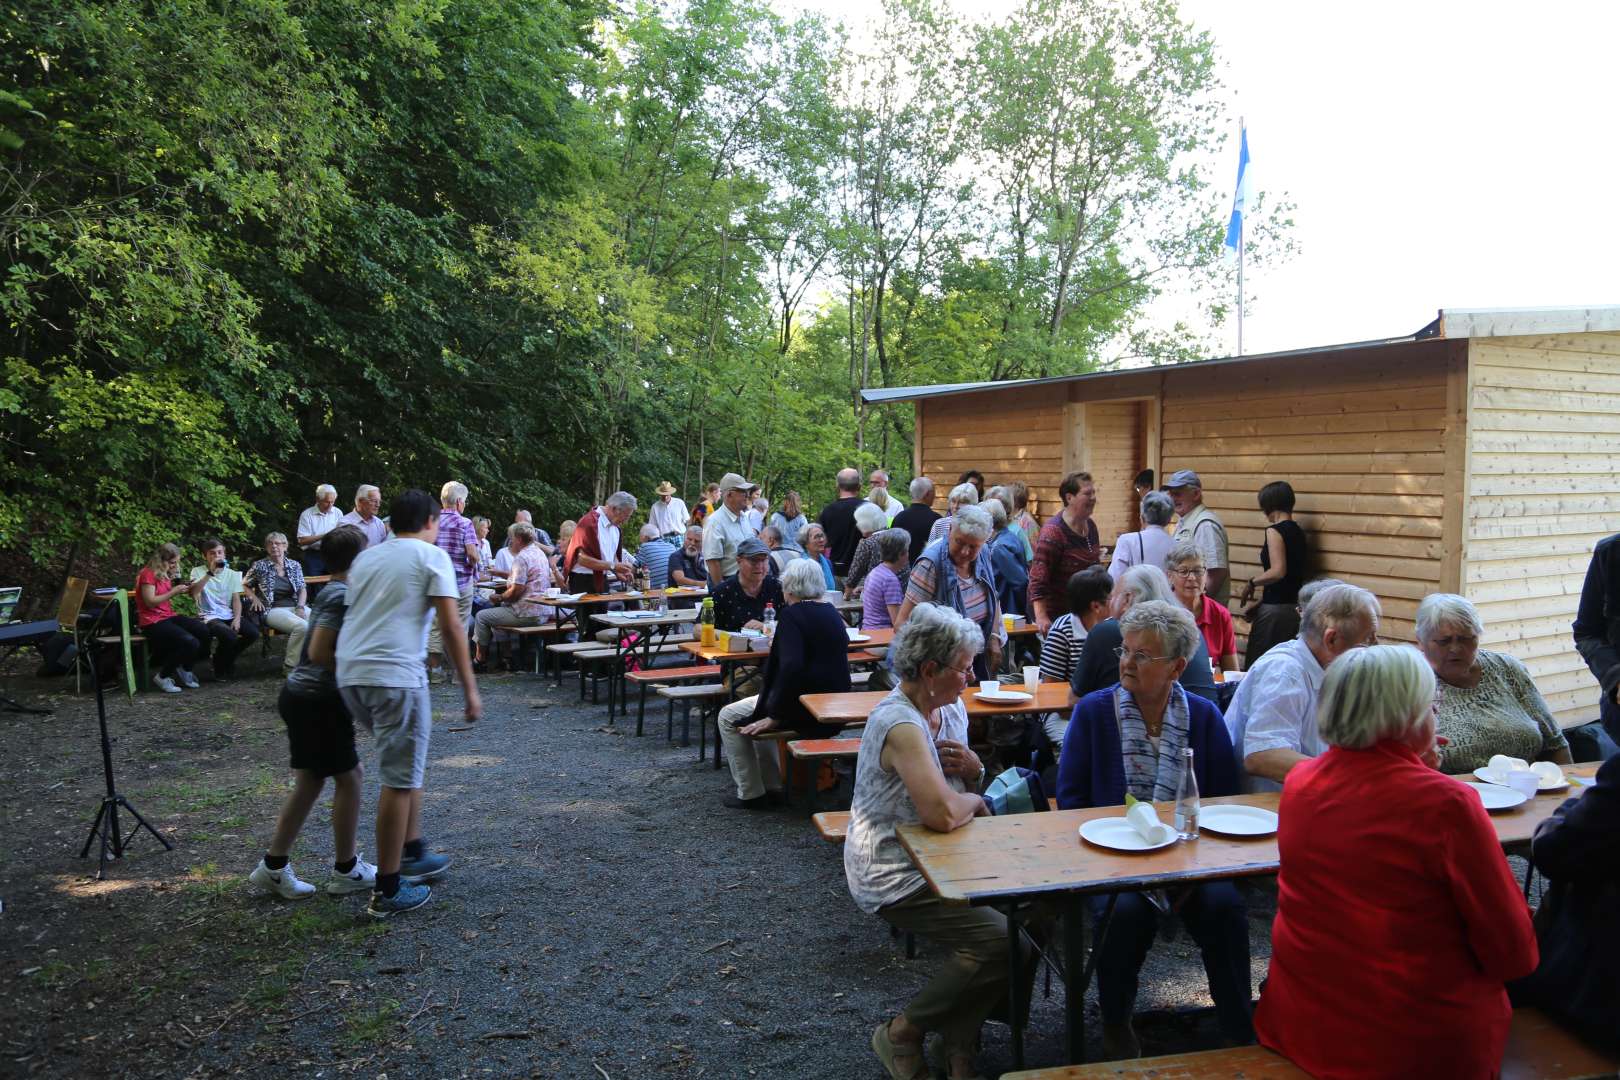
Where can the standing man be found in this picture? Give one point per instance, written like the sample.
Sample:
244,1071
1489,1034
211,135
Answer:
458,538
597,549
315,522
653,555
837,520
1597,629
393,589
1199,524
367,501
668,515
727,527
880,479
918,518
1067,544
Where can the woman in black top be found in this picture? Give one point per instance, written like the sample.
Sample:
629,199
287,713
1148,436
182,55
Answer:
809,655
1282,571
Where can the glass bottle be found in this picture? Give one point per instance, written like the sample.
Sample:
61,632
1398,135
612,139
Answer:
1187,798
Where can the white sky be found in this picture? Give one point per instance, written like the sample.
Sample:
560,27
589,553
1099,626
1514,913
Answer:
1439,155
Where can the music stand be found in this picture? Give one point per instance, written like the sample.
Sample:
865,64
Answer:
105,826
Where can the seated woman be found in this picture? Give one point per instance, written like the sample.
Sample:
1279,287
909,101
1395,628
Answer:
814,539
1007,558
175,641
220,607
1089,590
1099,663
885,590
915,767
1185,565
954,571
521,602
276,584
1282,571
870,520
1485,702
1152,543
1128,739
809,655
1577,849
1398,919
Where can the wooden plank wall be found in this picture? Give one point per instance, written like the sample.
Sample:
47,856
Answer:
1113,453
1544,439
1005,434
1360,436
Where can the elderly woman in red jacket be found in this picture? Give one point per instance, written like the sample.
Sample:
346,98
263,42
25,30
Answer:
1398,920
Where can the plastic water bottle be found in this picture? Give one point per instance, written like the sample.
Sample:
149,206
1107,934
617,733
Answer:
1187,798
770,619
706,622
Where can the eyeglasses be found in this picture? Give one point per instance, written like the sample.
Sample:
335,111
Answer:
1195,572
1139,656
966,673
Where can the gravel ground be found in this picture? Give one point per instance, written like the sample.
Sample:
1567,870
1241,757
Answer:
605,916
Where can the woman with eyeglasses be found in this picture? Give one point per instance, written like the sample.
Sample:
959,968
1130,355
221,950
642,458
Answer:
1185,564
1128,739
915,767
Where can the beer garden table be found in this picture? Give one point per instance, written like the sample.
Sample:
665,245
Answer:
1003,860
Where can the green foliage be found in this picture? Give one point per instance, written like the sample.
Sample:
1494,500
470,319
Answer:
554,248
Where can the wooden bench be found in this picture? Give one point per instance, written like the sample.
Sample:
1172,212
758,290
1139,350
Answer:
670,676
1537,1049
705,696
831,825
525,634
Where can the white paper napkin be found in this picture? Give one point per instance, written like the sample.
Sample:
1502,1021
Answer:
1145,820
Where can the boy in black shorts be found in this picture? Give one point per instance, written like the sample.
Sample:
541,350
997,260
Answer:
320,735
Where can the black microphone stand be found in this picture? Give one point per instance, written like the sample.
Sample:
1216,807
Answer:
105,826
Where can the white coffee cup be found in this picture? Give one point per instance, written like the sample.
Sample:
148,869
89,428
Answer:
553,592
990,686
1032,677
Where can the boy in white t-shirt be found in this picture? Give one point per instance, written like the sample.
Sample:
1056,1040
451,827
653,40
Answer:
394,589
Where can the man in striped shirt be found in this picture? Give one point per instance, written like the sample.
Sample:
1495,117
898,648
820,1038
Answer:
1088,605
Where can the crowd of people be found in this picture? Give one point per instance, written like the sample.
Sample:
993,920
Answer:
1354,734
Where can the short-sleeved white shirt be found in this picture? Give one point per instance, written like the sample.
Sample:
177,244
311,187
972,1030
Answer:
215,602
314,523
722,532
1275,708
390,600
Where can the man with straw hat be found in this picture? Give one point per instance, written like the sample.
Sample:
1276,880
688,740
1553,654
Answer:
668,514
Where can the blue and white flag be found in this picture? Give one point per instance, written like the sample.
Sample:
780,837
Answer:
1240,198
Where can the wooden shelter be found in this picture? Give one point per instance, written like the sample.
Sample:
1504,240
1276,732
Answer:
1477,456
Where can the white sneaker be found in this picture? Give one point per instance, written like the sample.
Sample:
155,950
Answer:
282,882
361,879
165,684
187,679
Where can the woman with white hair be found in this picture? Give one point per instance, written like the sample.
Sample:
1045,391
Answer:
870,520
915,767
1007,557
1128,740
809,655
963,494
315,522
1099,664
1485,702
954,571
276,585
814,539
1150,545
1398,920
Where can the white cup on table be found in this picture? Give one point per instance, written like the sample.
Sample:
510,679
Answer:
990,686
1524,782
1032,677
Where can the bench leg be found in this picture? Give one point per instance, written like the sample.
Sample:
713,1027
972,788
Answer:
703,732
641,709
669,722
686,723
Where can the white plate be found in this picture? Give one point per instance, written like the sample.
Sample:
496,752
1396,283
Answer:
1496,797
856,639
1235,820
1491,776
1117,833
1004,697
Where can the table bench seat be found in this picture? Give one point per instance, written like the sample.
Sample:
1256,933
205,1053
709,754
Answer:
1537,1049
825,749
831,825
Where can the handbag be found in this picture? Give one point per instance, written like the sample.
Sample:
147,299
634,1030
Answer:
1016,791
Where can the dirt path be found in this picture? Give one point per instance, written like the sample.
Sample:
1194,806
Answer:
605,916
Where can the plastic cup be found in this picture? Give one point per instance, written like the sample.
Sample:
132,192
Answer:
1525,783
990,686
1032,678
1007,623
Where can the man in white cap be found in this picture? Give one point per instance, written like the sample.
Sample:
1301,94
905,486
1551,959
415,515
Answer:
727,527
1199,525
669,513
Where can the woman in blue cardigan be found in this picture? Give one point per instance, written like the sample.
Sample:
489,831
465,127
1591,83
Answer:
1128,738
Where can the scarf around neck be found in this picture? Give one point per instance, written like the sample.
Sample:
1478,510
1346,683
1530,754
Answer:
1147,778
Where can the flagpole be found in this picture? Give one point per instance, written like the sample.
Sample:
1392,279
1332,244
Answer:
1241,224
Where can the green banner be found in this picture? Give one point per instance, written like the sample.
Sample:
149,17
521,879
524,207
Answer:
123,633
